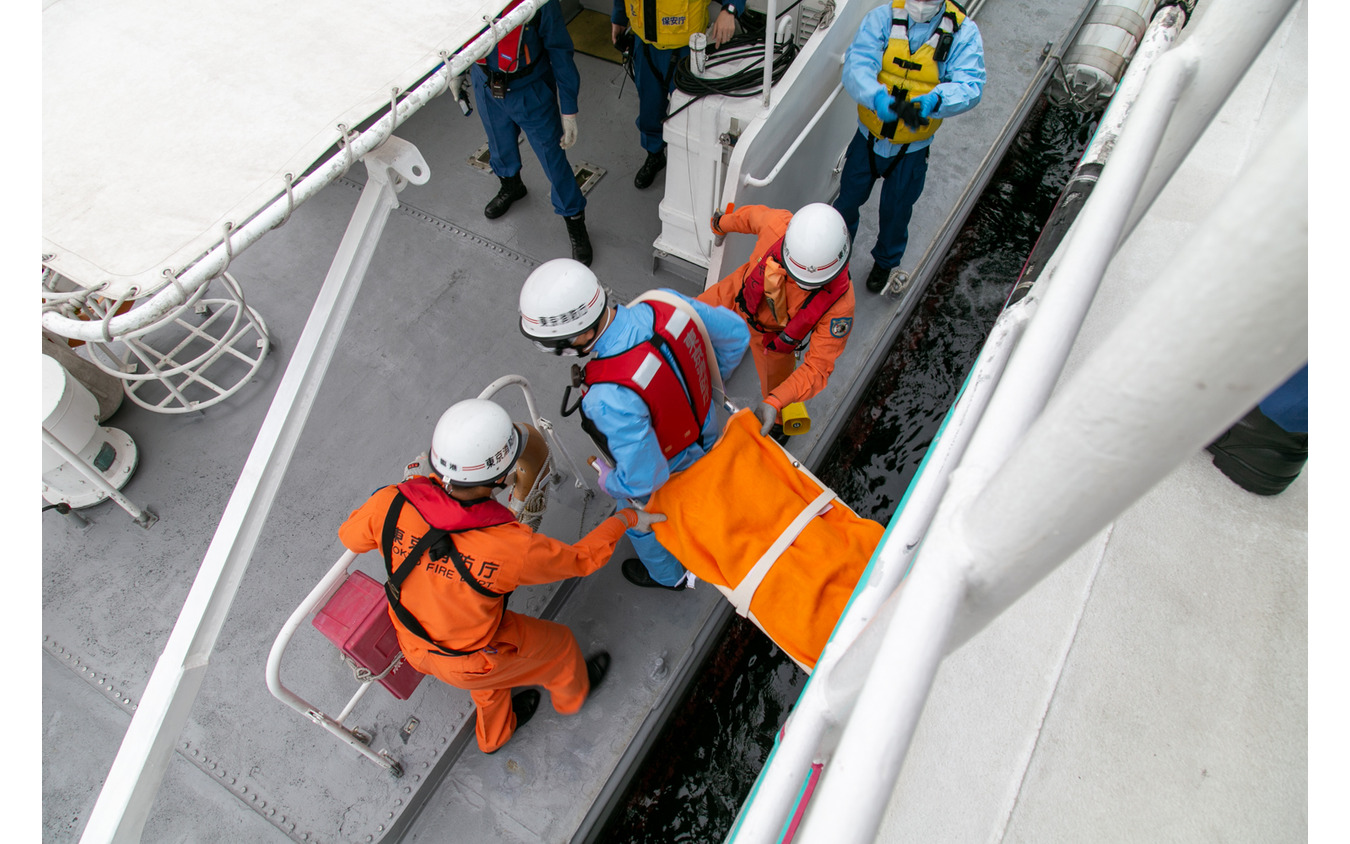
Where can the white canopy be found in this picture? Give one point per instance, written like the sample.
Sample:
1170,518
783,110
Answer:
164,119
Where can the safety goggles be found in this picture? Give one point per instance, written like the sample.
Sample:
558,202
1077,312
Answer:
560,346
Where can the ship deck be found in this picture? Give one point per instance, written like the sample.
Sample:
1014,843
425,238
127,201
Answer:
435,323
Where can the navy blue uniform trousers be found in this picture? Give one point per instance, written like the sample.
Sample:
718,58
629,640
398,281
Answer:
530,104
653,72
901,185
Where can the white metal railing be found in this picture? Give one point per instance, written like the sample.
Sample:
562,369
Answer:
555,444
329,583
353,147
1231,313
130,787
143,516
334,725
753,181
770,38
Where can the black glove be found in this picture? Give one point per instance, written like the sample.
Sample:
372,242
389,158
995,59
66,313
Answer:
912,114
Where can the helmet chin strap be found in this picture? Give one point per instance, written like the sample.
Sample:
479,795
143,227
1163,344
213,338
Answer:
604,323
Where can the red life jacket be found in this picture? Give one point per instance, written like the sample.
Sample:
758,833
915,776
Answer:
446,516
677,412
798,328
441,511
508,48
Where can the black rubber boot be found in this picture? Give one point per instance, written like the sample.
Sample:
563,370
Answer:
646,174
596,668
581,242
1260,456
512,189
636,573
523,704
877,278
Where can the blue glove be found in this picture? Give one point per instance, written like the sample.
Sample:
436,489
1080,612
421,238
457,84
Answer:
884,105
928,103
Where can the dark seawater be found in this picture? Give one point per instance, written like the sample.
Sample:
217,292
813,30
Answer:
692,785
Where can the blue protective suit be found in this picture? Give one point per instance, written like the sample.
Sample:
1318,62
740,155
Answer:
534,103
622,416
962,84
1288,405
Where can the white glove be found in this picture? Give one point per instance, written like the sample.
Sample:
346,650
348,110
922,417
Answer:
569,131
459,89
420,465
645,520
767,415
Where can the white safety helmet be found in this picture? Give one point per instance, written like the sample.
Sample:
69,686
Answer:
561,299
474,444
816,246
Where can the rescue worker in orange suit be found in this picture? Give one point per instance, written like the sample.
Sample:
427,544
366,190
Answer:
453,555
529,82
794,293
648,397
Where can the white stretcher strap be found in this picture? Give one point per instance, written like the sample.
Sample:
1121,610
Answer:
745,591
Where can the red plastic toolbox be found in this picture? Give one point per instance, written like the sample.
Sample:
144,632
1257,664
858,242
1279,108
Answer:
356,619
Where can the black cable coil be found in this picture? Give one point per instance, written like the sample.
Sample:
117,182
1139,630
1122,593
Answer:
745,82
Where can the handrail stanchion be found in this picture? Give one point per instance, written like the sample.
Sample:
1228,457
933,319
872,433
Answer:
539,422
320,593
770,40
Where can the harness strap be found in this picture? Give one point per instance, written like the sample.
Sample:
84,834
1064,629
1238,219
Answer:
714,372
872,158
436,539
664,77
786,338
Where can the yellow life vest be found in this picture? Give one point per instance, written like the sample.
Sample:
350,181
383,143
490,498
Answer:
667,24
915,73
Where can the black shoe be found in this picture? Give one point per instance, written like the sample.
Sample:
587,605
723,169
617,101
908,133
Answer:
523,704
1260,456
636,573
877,278
512,189
581,242
646,174
596,668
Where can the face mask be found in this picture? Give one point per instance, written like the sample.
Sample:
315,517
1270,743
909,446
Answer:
922,11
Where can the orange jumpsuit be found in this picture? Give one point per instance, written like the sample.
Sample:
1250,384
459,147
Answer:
508,649
780,383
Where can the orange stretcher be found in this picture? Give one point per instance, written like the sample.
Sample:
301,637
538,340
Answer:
752,521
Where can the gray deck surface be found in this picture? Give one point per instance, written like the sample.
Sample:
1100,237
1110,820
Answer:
434,323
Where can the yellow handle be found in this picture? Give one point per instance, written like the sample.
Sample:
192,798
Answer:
795,419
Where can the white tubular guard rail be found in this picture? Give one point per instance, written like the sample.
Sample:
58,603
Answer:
321,593
334,725
178,289
1027,493
555,445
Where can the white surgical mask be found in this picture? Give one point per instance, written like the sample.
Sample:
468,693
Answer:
922,11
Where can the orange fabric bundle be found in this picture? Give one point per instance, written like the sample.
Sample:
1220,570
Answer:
729,508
